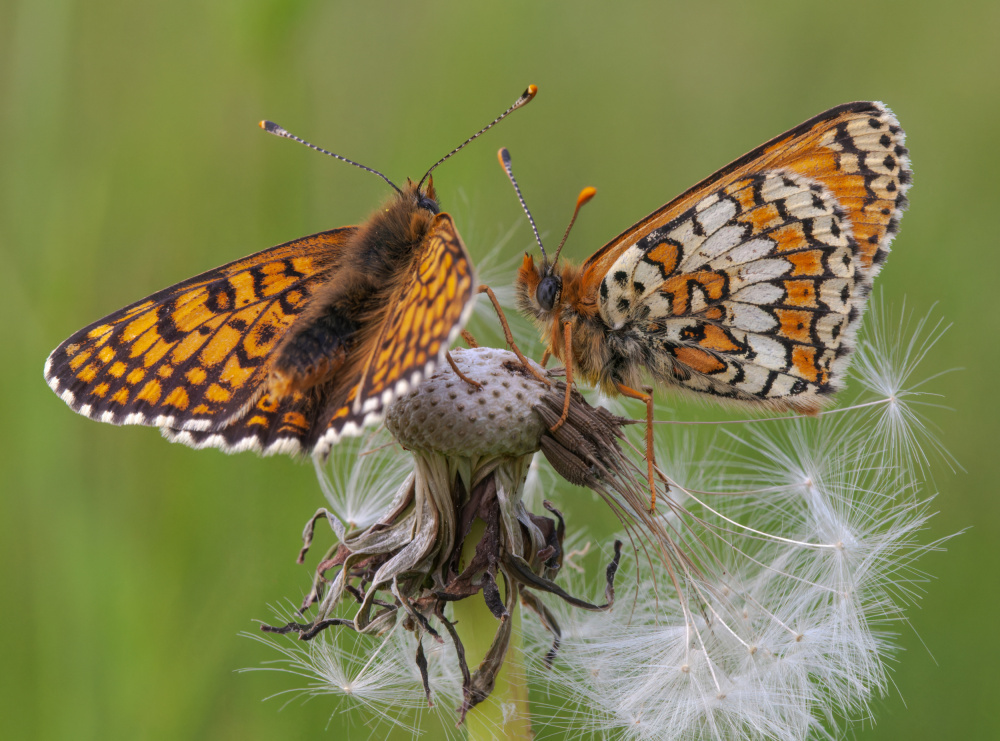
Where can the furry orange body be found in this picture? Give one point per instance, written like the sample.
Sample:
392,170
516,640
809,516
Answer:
591,353
347,311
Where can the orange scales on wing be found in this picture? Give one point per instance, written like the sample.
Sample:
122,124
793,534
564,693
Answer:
285,350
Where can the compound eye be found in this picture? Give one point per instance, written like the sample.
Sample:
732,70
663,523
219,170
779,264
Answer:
429,204
548,291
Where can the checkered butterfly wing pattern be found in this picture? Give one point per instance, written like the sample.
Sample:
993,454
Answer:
425,315
192,359
751,285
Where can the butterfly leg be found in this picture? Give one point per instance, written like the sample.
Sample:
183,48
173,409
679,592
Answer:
568,356
454,367
545,357
469,339
646,398
509,337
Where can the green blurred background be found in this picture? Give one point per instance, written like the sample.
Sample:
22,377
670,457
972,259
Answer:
131,160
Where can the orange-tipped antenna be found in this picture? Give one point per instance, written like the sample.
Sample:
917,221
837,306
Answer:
525,98
272,128
504,156
585,195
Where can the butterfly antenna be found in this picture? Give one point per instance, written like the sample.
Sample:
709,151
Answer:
525,98
585,195
272,128
504,156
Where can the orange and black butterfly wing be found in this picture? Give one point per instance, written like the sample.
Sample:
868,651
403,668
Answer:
425,315
194,357
751,285
856,150
271,425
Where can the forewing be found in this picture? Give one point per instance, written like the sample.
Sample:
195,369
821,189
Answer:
426,314
754,286
857,150
193,357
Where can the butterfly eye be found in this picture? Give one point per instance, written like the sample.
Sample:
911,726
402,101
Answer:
548,291
428,203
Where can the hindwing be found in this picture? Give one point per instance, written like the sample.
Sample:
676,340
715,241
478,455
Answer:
425,315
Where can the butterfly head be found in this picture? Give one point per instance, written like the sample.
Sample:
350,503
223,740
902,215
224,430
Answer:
402,221
425,198
539,288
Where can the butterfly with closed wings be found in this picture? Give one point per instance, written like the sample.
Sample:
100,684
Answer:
750,286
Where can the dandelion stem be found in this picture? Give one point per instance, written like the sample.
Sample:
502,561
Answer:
505,713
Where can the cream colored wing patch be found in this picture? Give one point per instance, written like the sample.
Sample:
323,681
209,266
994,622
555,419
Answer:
754,294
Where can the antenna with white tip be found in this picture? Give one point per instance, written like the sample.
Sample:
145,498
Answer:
272,128
504,156
585,195
525,98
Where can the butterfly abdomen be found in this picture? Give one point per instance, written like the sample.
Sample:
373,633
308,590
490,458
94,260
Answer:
313,353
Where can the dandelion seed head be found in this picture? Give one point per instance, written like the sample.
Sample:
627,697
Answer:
455,527
449,417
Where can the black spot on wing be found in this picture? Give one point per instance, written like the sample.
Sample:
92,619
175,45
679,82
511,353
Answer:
221,297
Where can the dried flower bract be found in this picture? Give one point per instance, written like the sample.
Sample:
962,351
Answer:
457,526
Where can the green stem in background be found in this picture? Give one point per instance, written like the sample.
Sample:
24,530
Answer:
476,626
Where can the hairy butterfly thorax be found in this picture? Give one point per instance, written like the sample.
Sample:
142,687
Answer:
291,348
376,259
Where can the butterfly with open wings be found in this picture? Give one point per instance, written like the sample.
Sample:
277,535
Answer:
292,348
